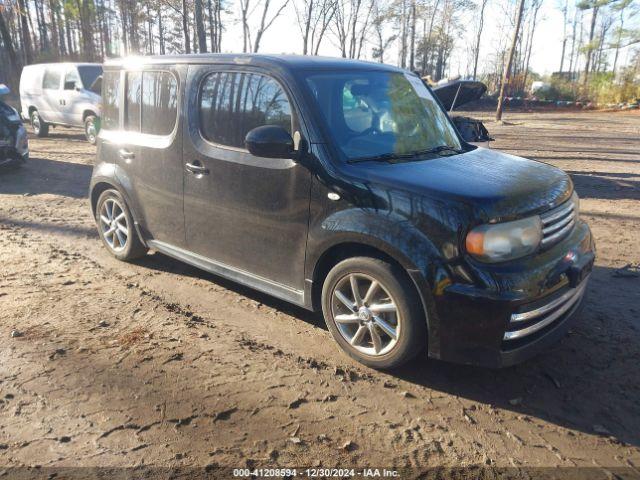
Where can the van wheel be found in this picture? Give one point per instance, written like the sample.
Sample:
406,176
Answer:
373,311
116,229
40,127
90,129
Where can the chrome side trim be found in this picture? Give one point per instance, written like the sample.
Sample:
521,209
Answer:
262,284
561,304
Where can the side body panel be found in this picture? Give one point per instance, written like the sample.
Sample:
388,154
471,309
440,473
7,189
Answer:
150,168
247,212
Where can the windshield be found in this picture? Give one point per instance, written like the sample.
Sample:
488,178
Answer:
88,74
373,114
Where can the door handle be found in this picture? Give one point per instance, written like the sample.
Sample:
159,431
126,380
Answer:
126,155
196,168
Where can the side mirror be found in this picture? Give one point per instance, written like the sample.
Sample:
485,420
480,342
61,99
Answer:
270,141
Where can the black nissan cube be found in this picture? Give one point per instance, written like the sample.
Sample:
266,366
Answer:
341,186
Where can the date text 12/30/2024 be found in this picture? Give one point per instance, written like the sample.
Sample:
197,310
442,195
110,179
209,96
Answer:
315,472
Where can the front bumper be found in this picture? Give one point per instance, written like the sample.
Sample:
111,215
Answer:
521,309
15,149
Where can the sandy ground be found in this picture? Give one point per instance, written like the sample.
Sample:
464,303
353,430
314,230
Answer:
157,363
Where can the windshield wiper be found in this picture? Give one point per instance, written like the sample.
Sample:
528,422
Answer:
384,157
438,149
387,157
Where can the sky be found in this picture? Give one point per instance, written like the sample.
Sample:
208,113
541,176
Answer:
284,37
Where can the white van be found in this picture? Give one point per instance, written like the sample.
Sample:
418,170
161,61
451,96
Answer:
66,94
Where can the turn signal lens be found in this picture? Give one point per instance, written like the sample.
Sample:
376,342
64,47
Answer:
505,241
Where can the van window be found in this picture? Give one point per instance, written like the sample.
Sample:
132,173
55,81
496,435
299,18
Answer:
134,101
159,102
231,104
72,80
51,80
89,74
111,100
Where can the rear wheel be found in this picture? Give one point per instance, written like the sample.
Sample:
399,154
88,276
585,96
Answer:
115,225
90,129
373,312
40,127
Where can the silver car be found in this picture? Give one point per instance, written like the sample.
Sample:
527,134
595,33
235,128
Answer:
66,94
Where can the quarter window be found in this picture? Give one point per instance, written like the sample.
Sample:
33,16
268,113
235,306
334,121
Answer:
159,102
51,80
111,100
232,103
134,100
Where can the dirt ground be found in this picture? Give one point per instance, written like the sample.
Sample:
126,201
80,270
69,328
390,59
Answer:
109,364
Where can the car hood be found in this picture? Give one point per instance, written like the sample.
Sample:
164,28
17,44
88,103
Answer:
496,185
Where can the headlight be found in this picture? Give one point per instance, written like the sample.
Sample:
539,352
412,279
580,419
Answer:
505,241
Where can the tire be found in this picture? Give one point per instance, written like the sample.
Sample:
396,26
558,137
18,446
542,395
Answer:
39,126
394,288
90,129
109,208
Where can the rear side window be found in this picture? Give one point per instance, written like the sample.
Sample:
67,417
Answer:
134,101
159,102
51,80
111,100
233,103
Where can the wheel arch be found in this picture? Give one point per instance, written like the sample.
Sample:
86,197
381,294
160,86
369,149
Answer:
99,186
88,112
359,247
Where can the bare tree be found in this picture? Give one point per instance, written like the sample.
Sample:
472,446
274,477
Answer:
265,22
314,18
476,53
507,68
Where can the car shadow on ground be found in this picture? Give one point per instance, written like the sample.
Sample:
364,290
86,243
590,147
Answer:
39,176
586,382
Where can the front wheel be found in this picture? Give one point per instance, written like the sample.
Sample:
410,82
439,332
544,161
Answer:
373,311
90,129
115,226
40,127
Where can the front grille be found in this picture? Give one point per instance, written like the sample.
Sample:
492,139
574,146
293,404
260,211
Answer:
528,322
558,223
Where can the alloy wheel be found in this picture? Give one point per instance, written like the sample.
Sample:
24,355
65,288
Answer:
366,314
35,122
90,131
114,225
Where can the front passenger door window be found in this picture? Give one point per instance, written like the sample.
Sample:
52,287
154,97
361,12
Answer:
232,104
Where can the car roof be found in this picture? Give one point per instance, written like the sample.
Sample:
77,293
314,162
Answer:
57,64
288,62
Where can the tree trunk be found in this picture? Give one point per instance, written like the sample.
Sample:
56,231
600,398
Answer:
185,27
54,28
14,66
412,48
480,27
594,16
620,30
25,36
212,22
202,35
160,30
507,67
564,33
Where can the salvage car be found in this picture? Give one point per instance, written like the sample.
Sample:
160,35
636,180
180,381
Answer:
61,94
14,145
343,187
455,93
